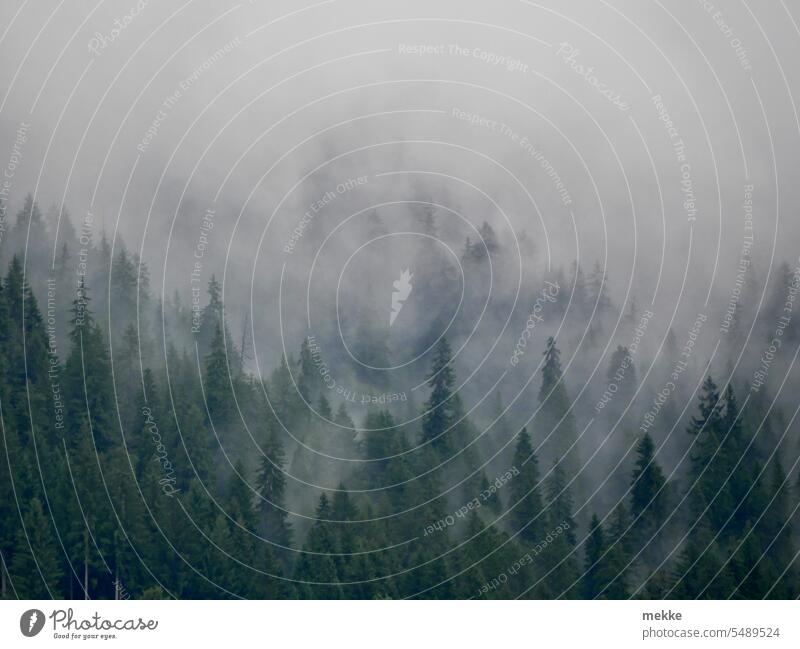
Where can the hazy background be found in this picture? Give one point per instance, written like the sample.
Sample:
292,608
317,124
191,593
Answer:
308,97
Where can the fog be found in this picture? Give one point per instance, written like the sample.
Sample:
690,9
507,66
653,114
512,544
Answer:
307,155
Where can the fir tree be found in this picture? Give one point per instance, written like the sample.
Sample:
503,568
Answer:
316,571
438,417
35,568
559,561
648,495
596,573
710,493
271,486
526,514
555,420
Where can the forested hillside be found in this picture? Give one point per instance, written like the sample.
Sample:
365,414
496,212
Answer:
155,449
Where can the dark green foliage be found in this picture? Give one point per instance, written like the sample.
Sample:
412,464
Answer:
648,494
555,421
526,514
36,569
559,559
191,479
442,407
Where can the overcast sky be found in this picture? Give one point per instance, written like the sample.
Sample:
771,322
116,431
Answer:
653,117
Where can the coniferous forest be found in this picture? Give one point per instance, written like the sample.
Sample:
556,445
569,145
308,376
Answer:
154,447
316,310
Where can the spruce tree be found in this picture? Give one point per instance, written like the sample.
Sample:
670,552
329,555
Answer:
699,572
648,493
526,514
439,410
596,573
87,376
36,568
315,571
618,556
736,461
775,533
555,421
710,489
622,374
217,380
271,486
559,562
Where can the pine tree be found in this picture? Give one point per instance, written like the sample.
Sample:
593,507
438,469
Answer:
486,555
283,396
560,564
618,556
438,417
699,572
748,568
527,513
622,374
315,571
555,421
648,493
492,500
580,293
211,316
35,568
309,380
343,418
271,486
217,380
384,445
29,235
775,534
123,281
596,573
87,376
487,245
599,290
240,497
736,463
710,493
